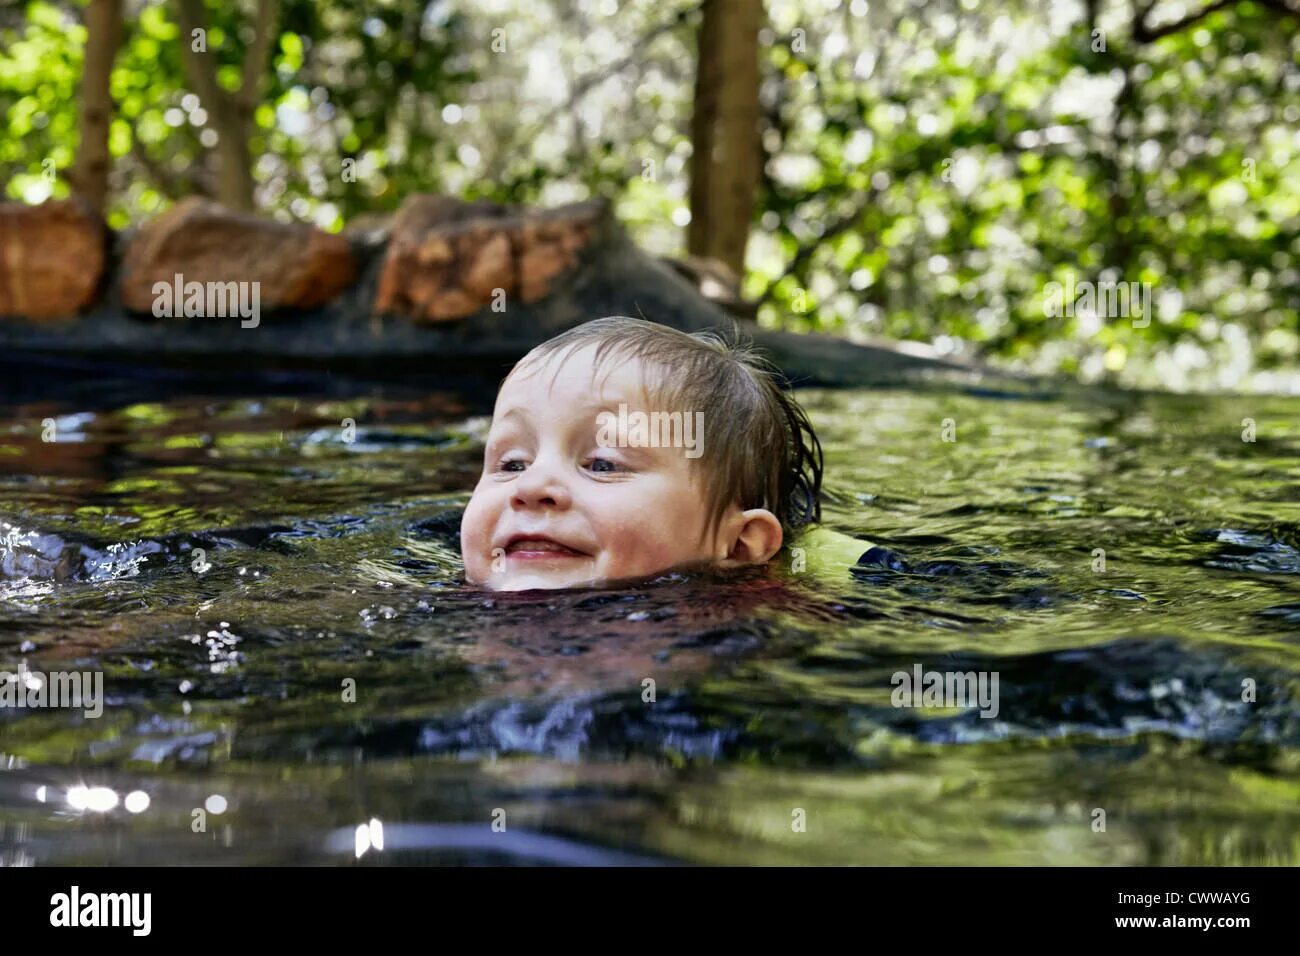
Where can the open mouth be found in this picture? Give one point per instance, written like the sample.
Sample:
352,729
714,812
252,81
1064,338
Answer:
540,549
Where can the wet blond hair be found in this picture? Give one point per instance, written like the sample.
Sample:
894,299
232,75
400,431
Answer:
763,452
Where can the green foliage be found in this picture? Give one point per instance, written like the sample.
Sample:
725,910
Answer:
40,69
347,80
930,165
1171,163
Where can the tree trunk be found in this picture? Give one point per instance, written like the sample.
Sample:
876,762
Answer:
725,131
231,114
235,166
89,177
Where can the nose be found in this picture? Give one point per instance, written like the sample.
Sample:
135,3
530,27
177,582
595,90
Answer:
541,485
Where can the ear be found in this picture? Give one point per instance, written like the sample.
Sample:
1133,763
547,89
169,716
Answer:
754,536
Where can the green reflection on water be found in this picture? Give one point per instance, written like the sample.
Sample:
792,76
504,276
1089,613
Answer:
323,572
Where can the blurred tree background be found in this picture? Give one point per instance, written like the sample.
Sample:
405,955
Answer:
921,170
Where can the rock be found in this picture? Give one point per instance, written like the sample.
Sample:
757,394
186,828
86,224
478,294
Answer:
447,259
538,265
490,264
452,255
51,258
298,266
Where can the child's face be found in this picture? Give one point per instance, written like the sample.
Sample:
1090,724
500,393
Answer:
605,513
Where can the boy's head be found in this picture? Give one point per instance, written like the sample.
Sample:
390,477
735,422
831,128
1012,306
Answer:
623,448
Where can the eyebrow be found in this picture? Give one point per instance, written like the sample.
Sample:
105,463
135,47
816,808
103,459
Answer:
636,452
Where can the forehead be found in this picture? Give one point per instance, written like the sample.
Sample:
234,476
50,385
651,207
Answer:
569,389
573,375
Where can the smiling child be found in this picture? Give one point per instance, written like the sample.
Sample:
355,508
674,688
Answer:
623,448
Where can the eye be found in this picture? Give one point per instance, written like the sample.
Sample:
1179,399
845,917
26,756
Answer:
508,464
605,466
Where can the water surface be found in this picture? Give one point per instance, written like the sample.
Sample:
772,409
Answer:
771,738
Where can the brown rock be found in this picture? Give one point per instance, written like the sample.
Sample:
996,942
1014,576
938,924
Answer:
424,287
453,304
489,265
51,258
537,266
574,239
298,266
447,258
435,251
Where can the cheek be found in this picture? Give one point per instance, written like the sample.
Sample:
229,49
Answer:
475,536
656,531
476,524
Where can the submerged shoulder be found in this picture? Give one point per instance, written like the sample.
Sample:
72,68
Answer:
819,549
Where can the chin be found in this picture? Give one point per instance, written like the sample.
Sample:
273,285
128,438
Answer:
529,584
527,578
538,582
